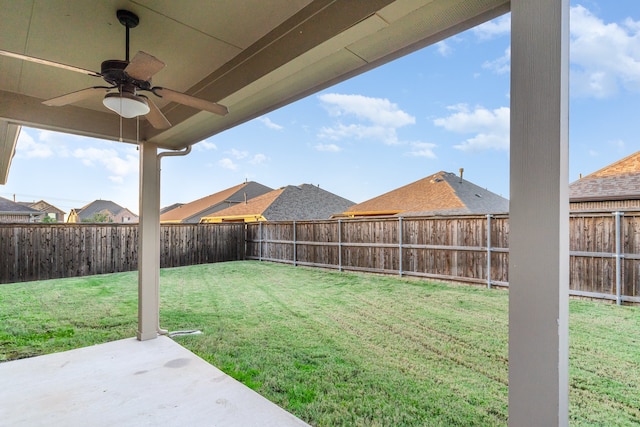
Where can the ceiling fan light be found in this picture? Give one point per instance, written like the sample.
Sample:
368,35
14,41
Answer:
126,104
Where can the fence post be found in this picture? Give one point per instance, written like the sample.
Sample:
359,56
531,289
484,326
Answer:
294,243
400,245
260,242
489,251
339,245
618,259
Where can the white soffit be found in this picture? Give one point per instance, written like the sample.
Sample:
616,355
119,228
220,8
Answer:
252,56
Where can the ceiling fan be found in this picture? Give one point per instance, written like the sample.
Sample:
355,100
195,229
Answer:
126,80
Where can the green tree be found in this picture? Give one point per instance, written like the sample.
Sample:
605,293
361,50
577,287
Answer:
99,217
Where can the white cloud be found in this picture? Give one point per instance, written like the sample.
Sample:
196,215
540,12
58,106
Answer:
377,118
501,65
257,159
443,48
227,163
238,154
379,111
618,144
110,159
359,131
333,148
491,127
494,28
205,145
604,56
271,125
29,148
422,149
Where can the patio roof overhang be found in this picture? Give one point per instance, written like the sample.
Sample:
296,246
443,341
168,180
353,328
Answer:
254,57
251,56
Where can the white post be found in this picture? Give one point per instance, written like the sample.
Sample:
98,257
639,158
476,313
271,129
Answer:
539,214
149,244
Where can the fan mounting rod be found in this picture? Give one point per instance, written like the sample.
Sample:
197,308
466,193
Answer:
129,20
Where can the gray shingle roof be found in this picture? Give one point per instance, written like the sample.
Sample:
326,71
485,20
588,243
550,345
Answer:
476,199
98,206
305,202
7,205
192,212
443,193
617,181
302,202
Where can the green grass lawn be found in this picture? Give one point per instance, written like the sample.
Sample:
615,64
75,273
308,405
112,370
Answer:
339,348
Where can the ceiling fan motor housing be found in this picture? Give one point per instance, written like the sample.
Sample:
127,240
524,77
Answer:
112,71
127,18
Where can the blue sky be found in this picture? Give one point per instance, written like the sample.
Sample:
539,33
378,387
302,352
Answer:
442,108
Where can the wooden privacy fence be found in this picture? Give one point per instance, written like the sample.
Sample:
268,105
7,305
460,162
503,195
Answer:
51,251
604,261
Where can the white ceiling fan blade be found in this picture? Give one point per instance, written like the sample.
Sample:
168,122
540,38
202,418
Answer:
76,96
155,116
143,66
190,101
49,63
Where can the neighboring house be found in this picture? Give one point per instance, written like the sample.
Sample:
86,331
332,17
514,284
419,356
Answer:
443,193
170,207
616,186
50,211
193,211
112,211
11,212
303,202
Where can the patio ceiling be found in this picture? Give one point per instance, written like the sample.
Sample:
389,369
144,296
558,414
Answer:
251,56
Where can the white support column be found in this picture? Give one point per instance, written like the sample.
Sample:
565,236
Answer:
149,243
539,214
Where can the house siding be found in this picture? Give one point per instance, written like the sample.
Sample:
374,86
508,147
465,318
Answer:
604,205
9,218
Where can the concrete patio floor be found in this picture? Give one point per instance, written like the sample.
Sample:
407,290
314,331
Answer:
129,383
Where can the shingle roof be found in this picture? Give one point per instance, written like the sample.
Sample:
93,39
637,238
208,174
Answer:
303,202
170,207
7,205
440,193
193,211
619,180
98,206
43,206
